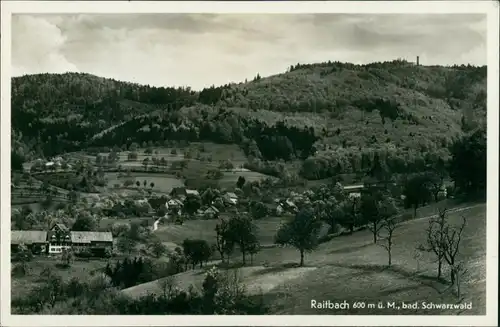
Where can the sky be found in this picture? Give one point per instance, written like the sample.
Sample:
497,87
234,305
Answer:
199,50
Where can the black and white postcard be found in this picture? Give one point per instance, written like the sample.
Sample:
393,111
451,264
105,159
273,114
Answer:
249,163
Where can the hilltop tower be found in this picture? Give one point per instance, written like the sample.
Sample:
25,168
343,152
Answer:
418,61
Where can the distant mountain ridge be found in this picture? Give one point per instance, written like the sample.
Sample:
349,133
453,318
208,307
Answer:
313,110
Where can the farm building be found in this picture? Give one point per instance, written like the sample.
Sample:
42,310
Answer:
443,193
180,192
232,195
35,240
354,188
141,202
192,192
174,203
95,241
354,195
60,238
230,198
289,204
211,212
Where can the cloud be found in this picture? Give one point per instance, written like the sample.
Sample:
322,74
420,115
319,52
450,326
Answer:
204,49
37,46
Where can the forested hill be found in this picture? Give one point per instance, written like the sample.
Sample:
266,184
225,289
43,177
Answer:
318,111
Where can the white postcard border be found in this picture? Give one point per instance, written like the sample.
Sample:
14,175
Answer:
355,7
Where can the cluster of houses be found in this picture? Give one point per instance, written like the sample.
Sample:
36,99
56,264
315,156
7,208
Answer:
60,238
56,163
179,195
230,199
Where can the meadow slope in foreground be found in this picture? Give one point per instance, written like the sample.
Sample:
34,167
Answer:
353,269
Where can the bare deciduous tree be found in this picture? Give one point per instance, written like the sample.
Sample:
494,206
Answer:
444,241
435,238
459,271
388,227
167,286
451,246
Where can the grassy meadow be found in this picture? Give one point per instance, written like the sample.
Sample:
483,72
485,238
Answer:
352,268
163,183
231,177
205,230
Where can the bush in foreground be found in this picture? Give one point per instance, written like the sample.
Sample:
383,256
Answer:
222,293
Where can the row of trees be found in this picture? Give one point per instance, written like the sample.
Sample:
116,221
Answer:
130,182
274,141
444,241
238,231
377,212
196,252
381,162
130,272
443,238
78,219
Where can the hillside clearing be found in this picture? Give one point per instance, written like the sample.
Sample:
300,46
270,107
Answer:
231,177
352,268
205,230
357,272
163,183
255,279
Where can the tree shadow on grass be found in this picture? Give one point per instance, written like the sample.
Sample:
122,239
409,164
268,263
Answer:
229,265
62,266
350,249
423,279
433,279
277,269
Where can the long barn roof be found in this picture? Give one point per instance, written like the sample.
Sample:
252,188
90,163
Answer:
87,237
28,236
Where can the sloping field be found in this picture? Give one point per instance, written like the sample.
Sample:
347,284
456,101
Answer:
205,230
231,177
353,269
163,183
220,152
255,279
106,223
21,286
217,152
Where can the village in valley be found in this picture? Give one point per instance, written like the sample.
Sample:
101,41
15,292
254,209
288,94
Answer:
168,206
119,208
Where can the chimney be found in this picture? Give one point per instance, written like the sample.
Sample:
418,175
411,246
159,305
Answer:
418,60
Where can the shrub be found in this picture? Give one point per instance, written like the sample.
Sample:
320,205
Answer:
20,270
108,253
102,253
118,229
60,206
85,253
